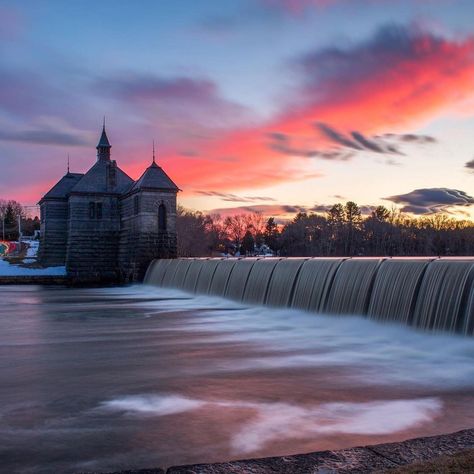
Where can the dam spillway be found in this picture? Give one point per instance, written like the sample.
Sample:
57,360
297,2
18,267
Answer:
428,293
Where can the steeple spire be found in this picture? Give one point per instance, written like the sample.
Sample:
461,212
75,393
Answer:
154,162
68,163
103,147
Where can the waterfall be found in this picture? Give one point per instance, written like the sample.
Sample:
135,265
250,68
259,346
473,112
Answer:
282,283
169,272
192,277
395,278
259,278
428,293
350,290
313,282
221,277
441,303
203,283
180,273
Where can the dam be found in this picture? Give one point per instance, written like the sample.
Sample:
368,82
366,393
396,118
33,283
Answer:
427,293
215,360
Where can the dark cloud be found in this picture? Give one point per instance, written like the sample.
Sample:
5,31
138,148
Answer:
282,212
282,143
233,197
432,200
135,87
470,165
293,209
368,144
410,138
184,108
337,137
358,141
323,208
390,44
44,137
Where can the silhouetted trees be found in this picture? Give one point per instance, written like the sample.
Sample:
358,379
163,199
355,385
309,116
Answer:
342,231
10,211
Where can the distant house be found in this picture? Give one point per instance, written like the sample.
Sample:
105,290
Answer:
103,225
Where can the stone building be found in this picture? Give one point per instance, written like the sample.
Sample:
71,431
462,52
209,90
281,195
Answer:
103,225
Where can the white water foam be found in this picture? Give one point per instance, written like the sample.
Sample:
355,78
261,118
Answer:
277,421
152,404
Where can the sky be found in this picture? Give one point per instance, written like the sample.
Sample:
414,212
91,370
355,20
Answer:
275,106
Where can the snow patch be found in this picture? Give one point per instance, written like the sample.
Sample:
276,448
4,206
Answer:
8,269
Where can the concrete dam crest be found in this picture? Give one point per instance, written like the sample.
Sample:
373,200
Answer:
427,293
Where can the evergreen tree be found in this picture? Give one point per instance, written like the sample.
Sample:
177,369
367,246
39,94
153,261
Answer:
248,243
271,235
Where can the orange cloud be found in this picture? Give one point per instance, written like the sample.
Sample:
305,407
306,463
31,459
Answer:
399,79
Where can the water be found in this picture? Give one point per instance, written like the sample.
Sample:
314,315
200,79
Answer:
428,293
134,377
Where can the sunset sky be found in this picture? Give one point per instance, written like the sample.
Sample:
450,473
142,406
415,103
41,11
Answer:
270,105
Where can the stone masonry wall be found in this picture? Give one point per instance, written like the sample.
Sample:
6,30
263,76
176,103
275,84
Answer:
92,252
53,240
140,240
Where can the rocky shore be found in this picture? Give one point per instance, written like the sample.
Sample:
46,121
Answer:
366,459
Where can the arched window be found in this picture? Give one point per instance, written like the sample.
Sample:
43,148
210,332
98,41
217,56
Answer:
161,217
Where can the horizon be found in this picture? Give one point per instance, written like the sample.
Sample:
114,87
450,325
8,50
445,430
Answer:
268,105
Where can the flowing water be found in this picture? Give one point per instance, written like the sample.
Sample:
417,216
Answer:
428,293
133,377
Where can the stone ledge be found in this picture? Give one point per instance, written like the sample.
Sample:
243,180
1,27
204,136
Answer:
367,459
34,280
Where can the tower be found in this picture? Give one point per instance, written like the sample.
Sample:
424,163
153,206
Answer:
104,146
148,222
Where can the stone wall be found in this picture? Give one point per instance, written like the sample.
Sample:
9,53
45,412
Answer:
141,240
93,244
53,237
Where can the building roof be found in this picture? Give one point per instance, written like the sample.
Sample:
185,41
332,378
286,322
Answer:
154,178
99,179
104,141
62,188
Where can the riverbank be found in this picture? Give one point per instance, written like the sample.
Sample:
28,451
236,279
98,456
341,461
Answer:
448,453
34,280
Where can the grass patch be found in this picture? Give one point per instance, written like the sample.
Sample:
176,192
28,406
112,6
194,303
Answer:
461,462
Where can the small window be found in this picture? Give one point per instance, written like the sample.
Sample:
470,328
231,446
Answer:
92,210
98,210
162,217
136,205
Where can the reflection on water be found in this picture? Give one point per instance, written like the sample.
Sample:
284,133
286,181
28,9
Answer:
116,378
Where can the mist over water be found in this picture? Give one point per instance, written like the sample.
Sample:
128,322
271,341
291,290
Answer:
134,377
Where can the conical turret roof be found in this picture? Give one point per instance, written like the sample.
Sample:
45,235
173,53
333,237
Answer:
154,178
104,141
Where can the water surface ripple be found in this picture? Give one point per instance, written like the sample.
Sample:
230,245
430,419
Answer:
117,378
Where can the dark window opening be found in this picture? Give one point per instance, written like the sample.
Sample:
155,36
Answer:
95,210
98,210
162,217
136,205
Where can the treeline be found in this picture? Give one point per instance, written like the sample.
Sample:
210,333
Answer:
342,231
10,212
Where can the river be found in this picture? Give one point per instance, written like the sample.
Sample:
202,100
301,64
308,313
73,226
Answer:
103,379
